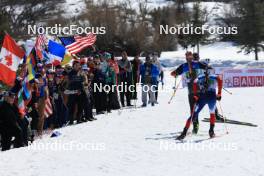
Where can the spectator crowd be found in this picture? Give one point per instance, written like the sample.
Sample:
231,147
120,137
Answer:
66,95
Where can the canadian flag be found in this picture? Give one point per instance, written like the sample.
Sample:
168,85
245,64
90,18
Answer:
10,57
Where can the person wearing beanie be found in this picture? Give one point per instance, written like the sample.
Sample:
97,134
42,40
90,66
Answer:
112,96
75,91
9,126
149,74
99,79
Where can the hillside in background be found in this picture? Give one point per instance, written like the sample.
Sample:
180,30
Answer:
142,19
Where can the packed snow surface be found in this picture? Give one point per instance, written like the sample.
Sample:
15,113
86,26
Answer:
142,142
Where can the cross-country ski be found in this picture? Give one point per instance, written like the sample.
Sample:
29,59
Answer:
235,122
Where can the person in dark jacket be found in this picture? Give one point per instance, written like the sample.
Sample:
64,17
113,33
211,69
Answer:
86,98
136,62
33,114
75,91
99,80
190,71
60,110
125,70
9,127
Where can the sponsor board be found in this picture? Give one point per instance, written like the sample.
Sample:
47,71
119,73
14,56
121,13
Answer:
244,77
232,78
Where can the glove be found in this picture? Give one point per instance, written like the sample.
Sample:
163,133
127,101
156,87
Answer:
196,98
218,97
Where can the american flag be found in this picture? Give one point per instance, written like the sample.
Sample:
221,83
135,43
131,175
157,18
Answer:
40,44
81,43
48,108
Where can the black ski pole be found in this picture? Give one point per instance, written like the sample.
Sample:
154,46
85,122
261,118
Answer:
227,91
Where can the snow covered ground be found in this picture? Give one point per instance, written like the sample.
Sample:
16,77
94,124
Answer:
75,7
142,142
221,54
221,51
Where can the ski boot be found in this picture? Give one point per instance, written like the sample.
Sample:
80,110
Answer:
211,131
195,127
144,105
218,116
183,134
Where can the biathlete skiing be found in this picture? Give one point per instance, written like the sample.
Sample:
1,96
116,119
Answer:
206,84
190,70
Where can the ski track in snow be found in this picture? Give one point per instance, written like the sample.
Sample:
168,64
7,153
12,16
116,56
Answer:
132,142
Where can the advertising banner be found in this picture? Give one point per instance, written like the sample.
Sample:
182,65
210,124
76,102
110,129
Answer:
244,77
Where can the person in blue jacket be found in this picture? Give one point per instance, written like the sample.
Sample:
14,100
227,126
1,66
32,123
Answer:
149,76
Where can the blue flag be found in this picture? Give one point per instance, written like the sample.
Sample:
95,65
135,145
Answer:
57,51
67,40
26,91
